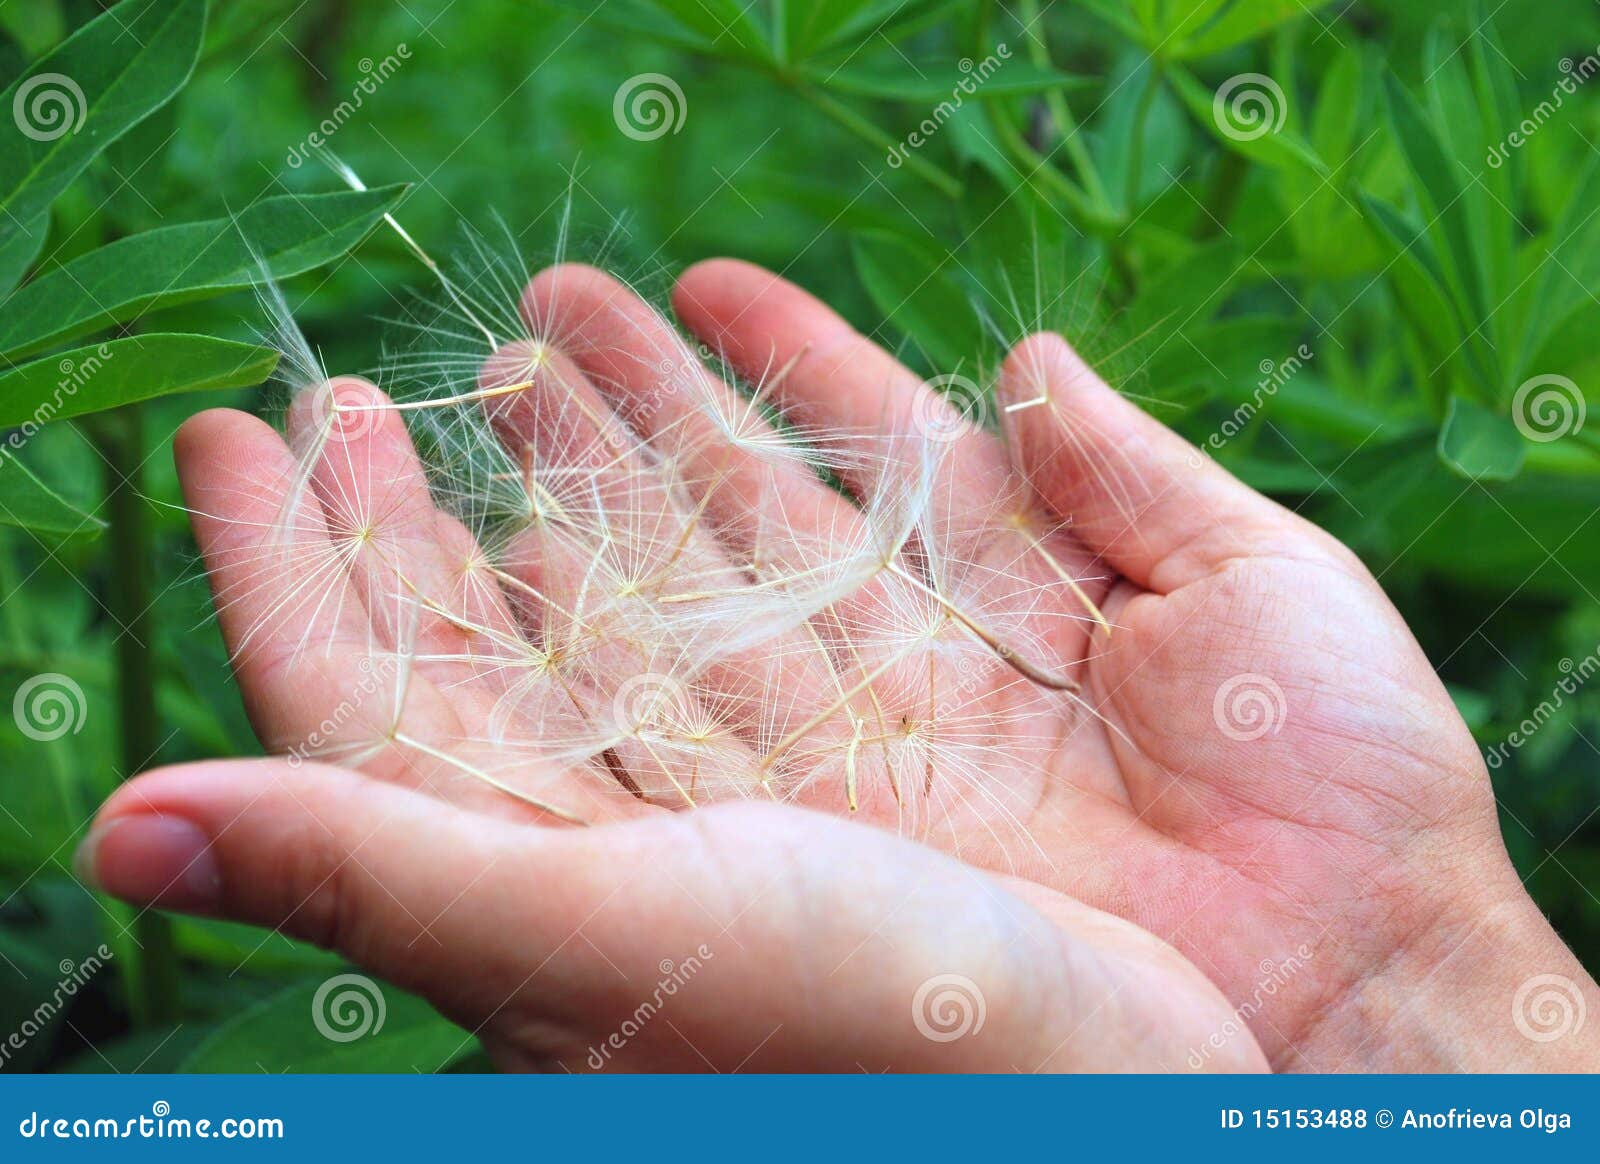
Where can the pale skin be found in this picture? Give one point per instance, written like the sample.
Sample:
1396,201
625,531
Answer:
1180,869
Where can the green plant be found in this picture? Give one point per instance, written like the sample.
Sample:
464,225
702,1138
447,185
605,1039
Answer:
69,107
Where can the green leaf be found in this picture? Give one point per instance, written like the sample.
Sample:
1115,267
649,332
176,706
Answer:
92,379
803,26
884,19
1568,269
338,1032
18,249
943,81
283,236
1244,20
727,25
100,82
915,291
1480,444
27,502
1439,193
1265,137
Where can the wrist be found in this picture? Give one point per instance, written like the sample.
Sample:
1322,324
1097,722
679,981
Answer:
1483,984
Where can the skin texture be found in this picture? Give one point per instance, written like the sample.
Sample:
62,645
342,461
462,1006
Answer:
1274,843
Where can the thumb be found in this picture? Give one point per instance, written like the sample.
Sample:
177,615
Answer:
744,936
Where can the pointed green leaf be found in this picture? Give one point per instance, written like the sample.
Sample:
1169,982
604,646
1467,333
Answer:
916,293
28,502
1245,20
939,82
1480,444
1248,113
342,1024
1569,266
17,252
885,19
97,84
1439,192
140,367
728,25
160,268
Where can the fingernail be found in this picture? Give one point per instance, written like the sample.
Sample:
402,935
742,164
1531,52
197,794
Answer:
148,859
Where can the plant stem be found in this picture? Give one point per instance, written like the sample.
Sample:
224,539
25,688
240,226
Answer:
153,980
1061,112
947,185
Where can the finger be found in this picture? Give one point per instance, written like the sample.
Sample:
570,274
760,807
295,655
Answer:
1135,492
760,496
293,624
836,381
381,517
550,940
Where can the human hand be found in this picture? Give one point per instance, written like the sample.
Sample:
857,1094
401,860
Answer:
1323,861
735,936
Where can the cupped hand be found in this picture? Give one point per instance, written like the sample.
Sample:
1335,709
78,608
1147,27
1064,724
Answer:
1255,761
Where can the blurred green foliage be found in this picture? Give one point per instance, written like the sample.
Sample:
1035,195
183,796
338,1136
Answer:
1364,256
